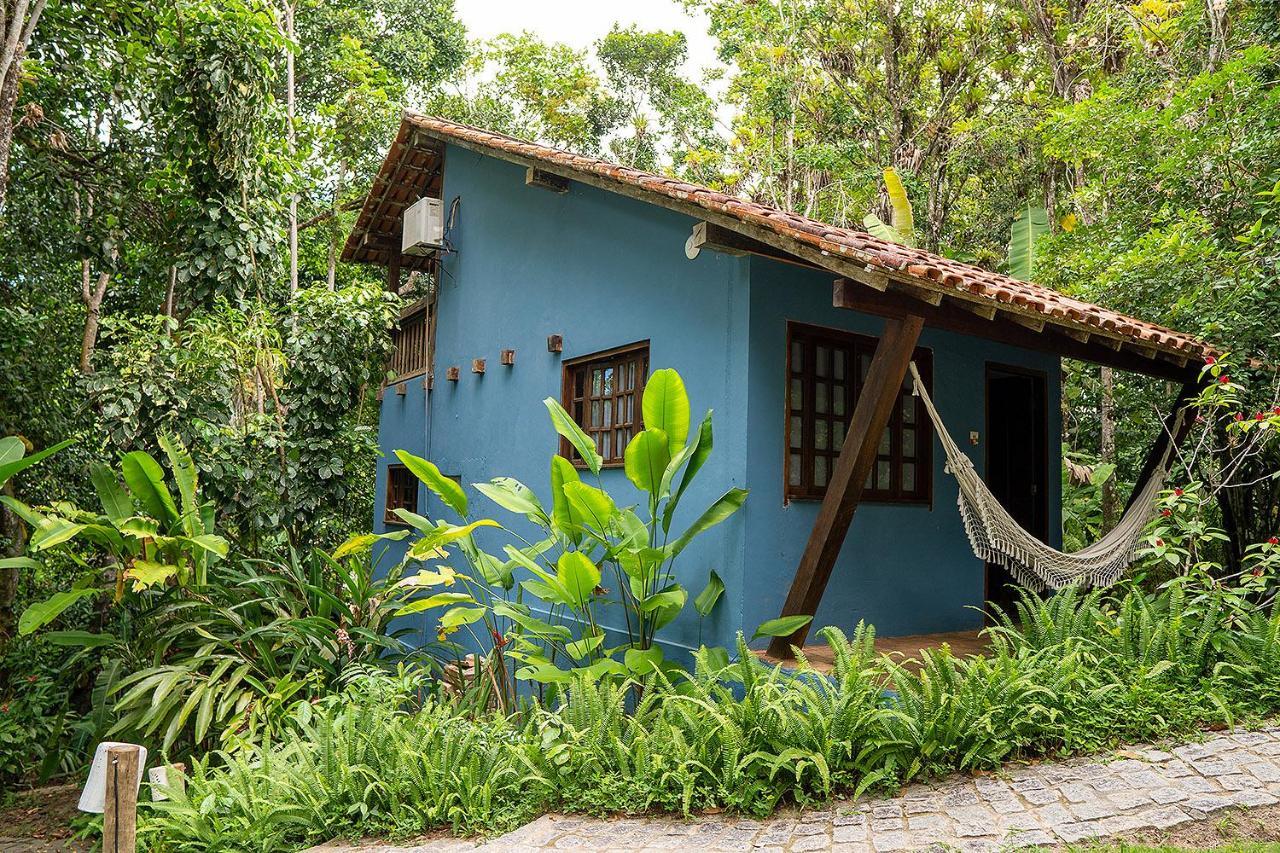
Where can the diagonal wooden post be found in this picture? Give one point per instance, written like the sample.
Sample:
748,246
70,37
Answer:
870,416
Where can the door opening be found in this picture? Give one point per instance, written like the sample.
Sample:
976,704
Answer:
1017,467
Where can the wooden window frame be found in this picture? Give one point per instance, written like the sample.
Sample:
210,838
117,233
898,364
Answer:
392,500
616,357
858,346
414,330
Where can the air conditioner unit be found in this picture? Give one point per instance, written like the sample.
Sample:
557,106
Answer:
423,227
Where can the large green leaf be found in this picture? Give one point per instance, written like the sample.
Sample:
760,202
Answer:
54,531
903,219
783,626
725,506
184,474
85,639
514,496
18,563
145,479
447,489
12,461
1032,224
116,503
569,429
666,407
706,600
579,576
563,473
42,613
440,599
876,228
590,506
701,449
646,459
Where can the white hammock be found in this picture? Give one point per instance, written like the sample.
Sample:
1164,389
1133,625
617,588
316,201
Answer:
997,538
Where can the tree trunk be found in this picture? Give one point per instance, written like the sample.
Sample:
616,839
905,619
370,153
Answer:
93,297
8,101
1107,451
290,101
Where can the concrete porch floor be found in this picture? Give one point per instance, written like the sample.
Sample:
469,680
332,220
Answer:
901,649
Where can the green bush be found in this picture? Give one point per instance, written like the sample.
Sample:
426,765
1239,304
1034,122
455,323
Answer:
1067,673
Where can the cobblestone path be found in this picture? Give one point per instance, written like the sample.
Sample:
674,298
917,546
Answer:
1045,804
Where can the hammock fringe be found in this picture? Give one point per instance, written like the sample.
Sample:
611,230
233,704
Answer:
997,538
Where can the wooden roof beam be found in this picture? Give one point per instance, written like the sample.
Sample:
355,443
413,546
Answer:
708,235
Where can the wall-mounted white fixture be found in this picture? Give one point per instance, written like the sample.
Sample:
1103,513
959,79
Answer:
423,231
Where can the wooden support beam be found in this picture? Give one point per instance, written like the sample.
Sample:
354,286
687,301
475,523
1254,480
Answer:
707,235
1172,431
871,415
393,272
1032,323
984,310
545,180
893,304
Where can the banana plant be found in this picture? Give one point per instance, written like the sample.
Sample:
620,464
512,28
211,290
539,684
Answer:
151,539
584,537
14,460
1031,224
903,229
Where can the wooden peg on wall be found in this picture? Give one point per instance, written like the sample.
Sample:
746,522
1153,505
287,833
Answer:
555,343
477,365
508,357
402,388
452,374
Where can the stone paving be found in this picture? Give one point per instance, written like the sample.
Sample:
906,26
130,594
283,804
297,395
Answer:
1025,805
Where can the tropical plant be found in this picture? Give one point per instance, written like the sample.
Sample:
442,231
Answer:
903,227
586,534
1031,224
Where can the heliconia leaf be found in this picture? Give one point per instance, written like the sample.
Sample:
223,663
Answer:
706,600
18,563
145,479
85,639
579,577
569,429
643,662
445,488
54,531
362,541
514,496
440,599
116,503
184,473
903,219
579,649
646,459
562,473
1032,224
146,573
725,506
12,459
876,228
590,506
783,626
42,613
666,407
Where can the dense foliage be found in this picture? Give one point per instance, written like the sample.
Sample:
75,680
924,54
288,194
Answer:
1068,673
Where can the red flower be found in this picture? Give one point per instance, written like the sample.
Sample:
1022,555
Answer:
1259,416
1273,541
1257,573
4,709
498,640
1159,542
1208,359
1276,410
1239,416
1178,492
1166,512
1224,379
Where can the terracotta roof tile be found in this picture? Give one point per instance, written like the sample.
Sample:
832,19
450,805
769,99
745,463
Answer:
860,246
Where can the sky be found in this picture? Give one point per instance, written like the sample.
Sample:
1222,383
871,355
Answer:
579,23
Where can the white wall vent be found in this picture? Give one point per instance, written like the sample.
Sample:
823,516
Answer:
423,227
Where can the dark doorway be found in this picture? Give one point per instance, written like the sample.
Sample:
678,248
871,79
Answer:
1017,460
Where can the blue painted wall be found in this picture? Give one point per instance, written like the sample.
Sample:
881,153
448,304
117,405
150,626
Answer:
604,270
907,569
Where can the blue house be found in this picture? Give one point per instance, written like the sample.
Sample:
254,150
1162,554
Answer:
566,276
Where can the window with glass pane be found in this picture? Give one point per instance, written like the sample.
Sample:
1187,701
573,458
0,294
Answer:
602,392
402,493
825,372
